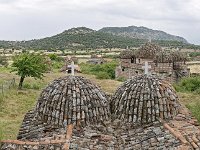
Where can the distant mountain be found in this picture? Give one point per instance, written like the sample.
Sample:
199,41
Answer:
142,33
85,38
80,38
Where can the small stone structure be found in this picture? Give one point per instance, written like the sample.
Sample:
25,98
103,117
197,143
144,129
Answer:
96,60
144,99
68,100
72,99
169,66
145,114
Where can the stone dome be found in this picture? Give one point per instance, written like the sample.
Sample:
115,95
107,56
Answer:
163,57
178,56
143,100
72,99
148,50
127,54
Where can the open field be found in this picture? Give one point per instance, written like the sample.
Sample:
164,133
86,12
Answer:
15,103
194,68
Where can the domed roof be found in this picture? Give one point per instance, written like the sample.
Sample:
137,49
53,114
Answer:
148,50
72,99
178,56
163,57
144,99
126,54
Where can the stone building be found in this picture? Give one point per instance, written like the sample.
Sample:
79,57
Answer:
167,65
96,60
72,113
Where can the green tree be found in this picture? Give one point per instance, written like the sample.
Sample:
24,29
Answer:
29,65
53,57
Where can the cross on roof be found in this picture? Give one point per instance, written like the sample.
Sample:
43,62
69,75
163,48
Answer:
72,67
146,67
150,39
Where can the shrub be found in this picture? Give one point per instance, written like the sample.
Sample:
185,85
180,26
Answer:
33,86
195,108
194,54
102,71
55,57
57,65
27,86
102,75
111,56
191,84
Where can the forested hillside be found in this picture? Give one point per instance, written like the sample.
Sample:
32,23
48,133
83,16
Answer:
85,38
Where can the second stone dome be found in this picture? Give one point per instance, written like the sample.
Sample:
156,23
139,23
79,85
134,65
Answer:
144,99
72,99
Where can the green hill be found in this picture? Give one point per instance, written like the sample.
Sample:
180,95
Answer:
85,38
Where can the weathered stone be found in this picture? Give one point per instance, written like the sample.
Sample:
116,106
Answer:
137,127
145,110
67,100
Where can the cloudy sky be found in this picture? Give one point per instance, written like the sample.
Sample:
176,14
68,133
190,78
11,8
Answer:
32,19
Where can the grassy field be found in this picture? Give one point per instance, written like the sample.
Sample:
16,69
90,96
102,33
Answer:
15,103
194,68
192,102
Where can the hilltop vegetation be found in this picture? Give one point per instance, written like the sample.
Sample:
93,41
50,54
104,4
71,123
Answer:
85,38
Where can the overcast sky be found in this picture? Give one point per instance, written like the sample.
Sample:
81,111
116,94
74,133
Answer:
33,19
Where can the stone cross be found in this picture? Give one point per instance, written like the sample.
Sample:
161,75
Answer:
129,74
150,40
146,67
72,66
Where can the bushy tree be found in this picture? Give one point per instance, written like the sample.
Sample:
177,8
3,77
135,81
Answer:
53,57
29,65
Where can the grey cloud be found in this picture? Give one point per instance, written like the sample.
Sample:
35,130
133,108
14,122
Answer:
24,19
